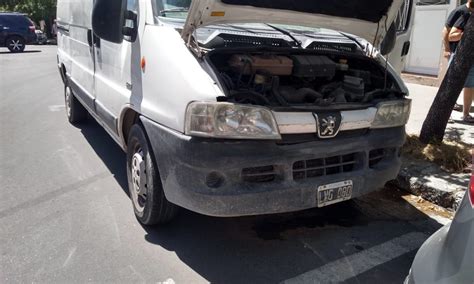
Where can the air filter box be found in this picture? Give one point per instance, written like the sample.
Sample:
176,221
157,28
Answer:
311,66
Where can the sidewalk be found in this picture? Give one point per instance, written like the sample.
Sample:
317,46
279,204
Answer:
427,179
422,99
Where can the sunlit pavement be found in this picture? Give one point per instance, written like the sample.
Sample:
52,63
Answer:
65,215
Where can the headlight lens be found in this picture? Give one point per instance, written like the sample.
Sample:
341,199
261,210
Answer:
232,121
392,114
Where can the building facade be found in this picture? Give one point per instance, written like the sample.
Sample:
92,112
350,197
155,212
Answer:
425,55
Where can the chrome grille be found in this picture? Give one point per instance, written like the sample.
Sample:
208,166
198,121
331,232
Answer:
324,166
259,174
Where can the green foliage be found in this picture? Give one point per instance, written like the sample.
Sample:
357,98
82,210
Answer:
36,9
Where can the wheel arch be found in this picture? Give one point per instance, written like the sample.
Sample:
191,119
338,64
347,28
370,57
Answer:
63,72
14,35
128,118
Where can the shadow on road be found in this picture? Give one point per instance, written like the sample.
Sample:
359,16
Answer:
19,53
108,151
273,248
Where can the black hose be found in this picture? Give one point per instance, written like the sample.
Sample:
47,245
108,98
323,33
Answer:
249,97
276,91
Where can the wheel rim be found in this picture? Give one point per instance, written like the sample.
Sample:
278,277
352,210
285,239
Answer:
139,178
68,102
15,45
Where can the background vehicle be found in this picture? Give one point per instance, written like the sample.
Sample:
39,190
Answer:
16,31
448,255
226,114
41,38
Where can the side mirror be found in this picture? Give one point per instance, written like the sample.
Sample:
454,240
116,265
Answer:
108,19
388,44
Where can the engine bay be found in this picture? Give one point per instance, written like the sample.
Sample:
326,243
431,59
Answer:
307,80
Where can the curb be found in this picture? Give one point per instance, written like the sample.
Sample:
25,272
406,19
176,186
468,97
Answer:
425,80
429,182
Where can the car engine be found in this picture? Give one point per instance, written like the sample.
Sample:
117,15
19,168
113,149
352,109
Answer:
301,79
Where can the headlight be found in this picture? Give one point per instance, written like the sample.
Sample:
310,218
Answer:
231,121
392,114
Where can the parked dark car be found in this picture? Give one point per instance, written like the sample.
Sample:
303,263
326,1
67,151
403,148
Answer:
16,31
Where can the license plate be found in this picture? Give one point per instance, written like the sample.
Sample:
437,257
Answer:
335,192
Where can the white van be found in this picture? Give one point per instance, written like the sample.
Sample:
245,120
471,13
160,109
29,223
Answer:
239,107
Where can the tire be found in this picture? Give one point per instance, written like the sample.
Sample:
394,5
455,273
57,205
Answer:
75,111
146,190
15,44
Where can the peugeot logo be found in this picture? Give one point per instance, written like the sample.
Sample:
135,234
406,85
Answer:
328,124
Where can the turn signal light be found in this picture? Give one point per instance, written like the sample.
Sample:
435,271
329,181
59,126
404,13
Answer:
217,14
143,64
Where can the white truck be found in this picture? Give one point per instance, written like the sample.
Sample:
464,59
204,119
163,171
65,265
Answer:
239,107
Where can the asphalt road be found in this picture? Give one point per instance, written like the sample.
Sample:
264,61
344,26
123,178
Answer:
65,214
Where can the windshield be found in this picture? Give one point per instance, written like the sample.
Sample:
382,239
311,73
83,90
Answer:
175,9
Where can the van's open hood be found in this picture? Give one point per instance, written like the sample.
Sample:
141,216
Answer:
368,19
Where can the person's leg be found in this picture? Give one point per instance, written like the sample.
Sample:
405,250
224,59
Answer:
468,96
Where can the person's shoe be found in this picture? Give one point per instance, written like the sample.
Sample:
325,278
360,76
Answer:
457,107
468,119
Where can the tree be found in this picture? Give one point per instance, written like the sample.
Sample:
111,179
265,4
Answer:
36,9
435,123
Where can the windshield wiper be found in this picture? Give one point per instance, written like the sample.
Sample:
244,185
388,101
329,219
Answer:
354,40
174,10
285,32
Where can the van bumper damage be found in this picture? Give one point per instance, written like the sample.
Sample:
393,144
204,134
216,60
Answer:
236,178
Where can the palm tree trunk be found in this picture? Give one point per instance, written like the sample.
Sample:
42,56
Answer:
453,83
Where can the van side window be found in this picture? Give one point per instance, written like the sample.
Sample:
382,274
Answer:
432,2
132,5
403,19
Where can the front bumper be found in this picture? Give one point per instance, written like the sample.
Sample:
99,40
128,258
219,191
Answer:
208,176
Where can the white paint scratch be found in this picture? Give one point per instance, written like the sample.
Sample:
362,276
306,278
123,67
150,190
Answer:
135,272
306,245
71,253
56,108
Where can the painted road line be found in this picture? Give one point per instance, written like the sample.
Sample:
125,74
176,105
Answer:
353,265
56,108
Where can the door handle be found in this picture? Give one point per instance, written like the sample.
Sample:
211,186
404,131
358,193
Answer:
92,39
406,48
89,38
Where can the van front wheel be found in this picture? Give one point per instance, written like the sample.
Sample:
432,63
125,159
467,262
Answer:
146,191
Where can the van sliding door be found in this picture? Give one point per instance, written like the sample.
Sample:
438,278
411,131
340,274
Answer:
75,48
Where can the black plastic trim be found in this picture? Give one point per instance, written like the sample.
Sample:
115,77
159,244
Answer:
81,94
107,117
